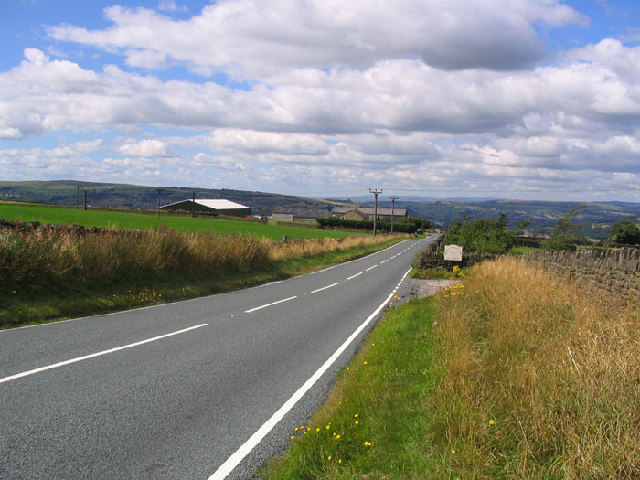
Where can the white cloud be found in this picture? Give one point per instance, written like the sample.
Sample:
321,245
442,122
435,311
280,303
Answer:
254,37
144,148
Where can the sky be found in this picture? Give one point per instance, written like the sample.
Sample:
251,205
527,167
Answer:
519,99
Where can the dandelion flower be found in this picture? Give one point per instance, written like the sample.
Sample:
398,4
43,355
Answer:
356,415
292,437
491,422
328,427
453,451
365,363
338,437
357,422
340,461
296,429
317,430
367,444
329,458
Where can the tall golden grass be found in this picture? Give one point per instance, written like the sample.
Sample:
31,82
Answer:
50,257
540,379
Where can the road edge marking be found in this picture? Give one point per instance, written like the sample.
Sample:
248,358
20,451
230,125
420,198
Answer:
247,447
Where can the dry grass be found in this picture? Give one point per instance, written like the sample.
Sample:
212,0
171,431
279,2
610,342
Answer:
540,379
49,257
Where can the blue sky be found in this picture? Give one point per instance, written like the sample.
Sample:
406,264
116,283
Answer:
525,99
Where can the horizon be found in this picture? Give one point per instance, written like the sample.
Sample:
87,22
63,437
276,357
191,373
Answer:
509,99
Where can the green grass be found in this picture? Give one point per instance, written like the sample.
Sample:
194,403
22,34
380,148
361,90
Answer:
134,221
380,407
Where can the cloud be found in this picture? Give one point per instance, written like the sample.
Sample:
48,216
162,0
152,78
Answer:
339,95
251,38
144,148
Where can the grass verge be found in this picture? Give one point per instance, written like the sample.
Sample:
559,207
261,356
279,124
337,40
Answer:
373,424
516,374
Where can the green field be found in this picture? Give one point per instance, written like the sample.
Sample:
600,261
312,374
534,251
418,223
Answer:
134,221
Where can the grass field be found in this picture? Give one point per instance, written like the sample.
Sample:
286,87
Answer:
135,221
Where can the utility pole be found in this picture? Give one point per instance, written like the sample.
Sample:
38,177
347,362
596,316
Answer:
85,199
159,190
4,194
193,206
376,192
393,199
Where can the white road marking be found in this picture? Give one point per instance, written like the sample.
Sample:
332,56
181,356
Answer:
371,268
324,288
284,300
94,355
257,308
269,304
354,276
234,460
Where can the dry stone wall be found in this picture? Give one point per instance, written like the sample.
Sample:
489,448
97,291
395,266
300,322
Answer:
614,270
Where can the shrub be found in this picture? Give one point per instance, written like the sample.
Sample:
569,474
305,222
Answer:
625,232
483,235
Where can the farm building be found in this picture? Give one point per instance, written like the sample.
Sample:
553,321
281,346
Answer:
216,206
300,215
367,213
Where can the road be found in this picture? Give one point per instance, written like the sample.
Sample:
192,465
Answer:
205,388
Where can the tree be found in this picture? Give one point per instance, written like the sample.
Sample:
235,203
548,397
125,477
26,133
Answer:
483,235
565,236
625,232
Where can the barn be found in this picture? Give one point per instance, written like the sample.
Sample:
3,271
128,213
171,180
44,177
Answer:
218,206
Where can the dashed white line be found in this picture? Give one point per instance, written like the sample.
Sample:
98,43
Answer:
284,300
94,355
324,288
371,268
354,276
255,309
251,310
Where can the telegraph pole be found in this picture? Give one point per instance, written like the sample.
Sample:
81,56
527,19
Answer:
393,199
193,206
159,190
376,192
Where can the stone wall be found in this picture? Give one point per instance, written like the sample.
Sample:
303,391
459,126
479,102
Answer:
614,270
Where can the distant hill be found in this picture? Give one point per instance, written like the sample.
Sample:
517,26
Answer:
111,195
596,219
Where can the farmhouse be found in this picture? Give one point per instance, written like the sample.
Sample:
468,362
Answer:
216,206
367,213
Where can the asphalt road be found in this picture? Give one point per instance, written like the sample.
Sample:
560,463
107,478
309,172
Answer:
206,388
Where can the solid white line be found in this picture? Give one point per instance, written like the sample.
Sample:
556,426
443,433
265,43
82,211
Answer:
285,300
371,268
94,355
354,276
324,288
234,460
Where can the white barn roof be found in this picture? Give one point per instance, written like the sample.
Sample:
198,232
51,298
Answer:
217,203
